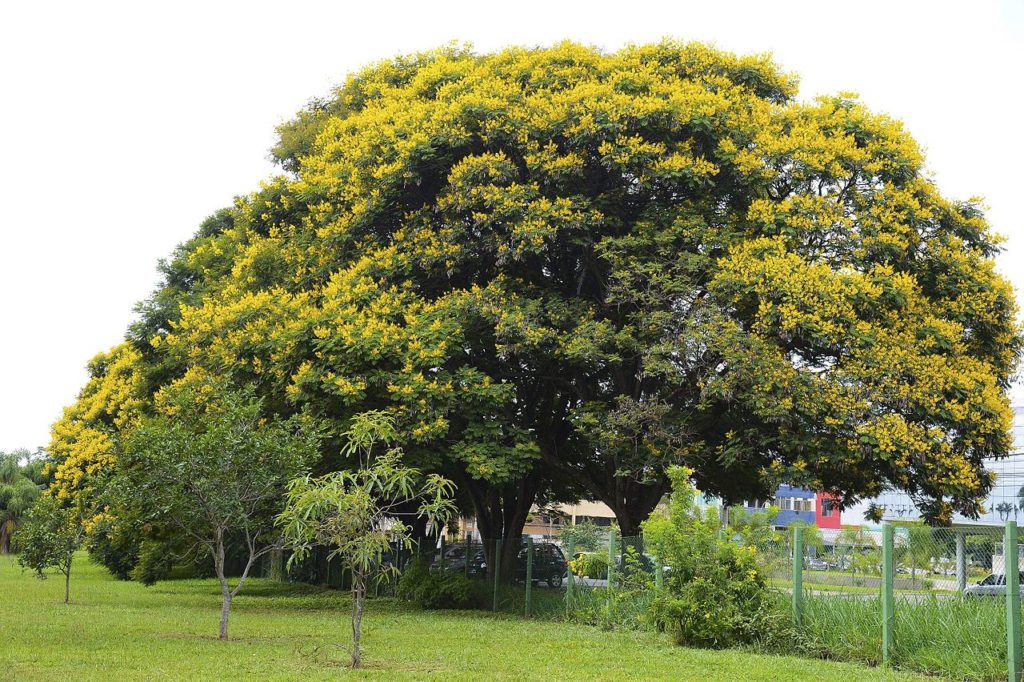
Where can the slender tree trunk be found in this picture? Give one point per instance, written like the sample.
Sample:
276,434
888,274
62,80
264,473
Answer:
358,602
67,584
225,609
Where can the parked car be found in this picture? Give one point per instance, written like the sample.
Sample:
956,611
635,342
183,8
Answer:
549,564
993,585
816,564
455,561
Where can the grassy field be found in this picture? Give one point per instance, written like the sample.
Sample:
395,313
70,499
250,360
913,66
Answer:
124,631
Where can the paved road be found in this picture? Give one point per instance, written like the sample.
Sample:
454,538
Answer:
899,594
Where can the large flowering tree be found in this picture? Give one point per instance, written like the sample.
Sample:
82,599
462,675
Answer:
562,271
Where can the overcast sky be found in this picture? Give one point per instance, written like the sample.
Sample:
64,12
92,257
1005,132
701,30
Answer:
124,125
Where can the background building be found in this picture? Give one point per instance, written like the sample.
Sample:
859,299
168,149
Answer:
799,504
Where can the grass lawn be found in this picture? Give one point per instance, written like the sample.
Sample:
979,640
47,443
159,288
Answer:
124,631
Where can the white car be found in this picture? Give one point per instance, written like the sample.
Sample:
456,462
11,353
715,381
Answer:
993,585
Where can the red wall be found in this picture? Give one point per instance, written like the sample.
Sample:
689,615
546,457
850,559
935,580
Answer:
825,521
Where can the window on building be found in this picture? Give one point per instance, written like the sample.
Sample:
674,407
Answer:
827,508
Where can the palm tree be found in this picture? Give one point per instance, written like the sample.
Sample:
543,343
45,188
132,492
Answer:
17,493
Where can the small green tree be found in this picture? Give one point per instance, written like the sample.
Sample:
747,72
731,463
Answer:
357,514
585,536
49,538
716,593
213,469
756,528
859,551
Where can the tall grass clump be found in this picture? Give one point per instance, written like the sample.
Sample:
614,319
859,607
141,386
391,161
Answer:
623,609
847,628
964,639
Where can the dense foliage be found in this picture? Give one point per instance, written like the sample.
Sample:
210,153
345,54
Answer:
442,589
562,271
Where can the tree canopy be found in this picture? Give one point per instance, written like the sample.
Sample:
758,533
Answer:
562,271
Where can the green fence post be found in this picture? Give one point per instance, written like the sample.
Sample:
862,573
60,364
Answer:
469,550
529,575
888,607
798,576
442,554
572,579
611,564
1011,568
497,571
659,571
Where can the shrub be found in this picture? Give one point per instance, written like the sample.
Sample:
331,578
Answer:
715,593
441,590
155,562
592,564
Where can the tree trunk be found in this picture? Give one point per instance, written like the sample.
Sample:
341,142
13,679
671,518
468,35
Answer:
633,503
358,602
225,609
67,584
501,514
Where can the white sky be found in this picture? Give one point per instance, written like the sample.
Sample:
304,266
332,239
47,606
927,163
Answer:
125,124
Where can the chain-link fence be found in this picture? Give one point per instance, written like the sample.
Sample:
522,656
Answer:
608,578
940,600
933,599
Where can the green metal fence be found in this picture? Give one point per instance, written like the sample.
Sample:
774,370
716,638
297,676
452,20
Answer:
596,581
939,600
934,599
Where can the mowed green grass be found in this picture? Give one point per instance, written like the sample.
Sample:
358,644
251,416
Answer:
125,631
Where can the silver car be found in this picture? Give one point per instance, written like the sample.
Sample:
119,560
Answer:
993,585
